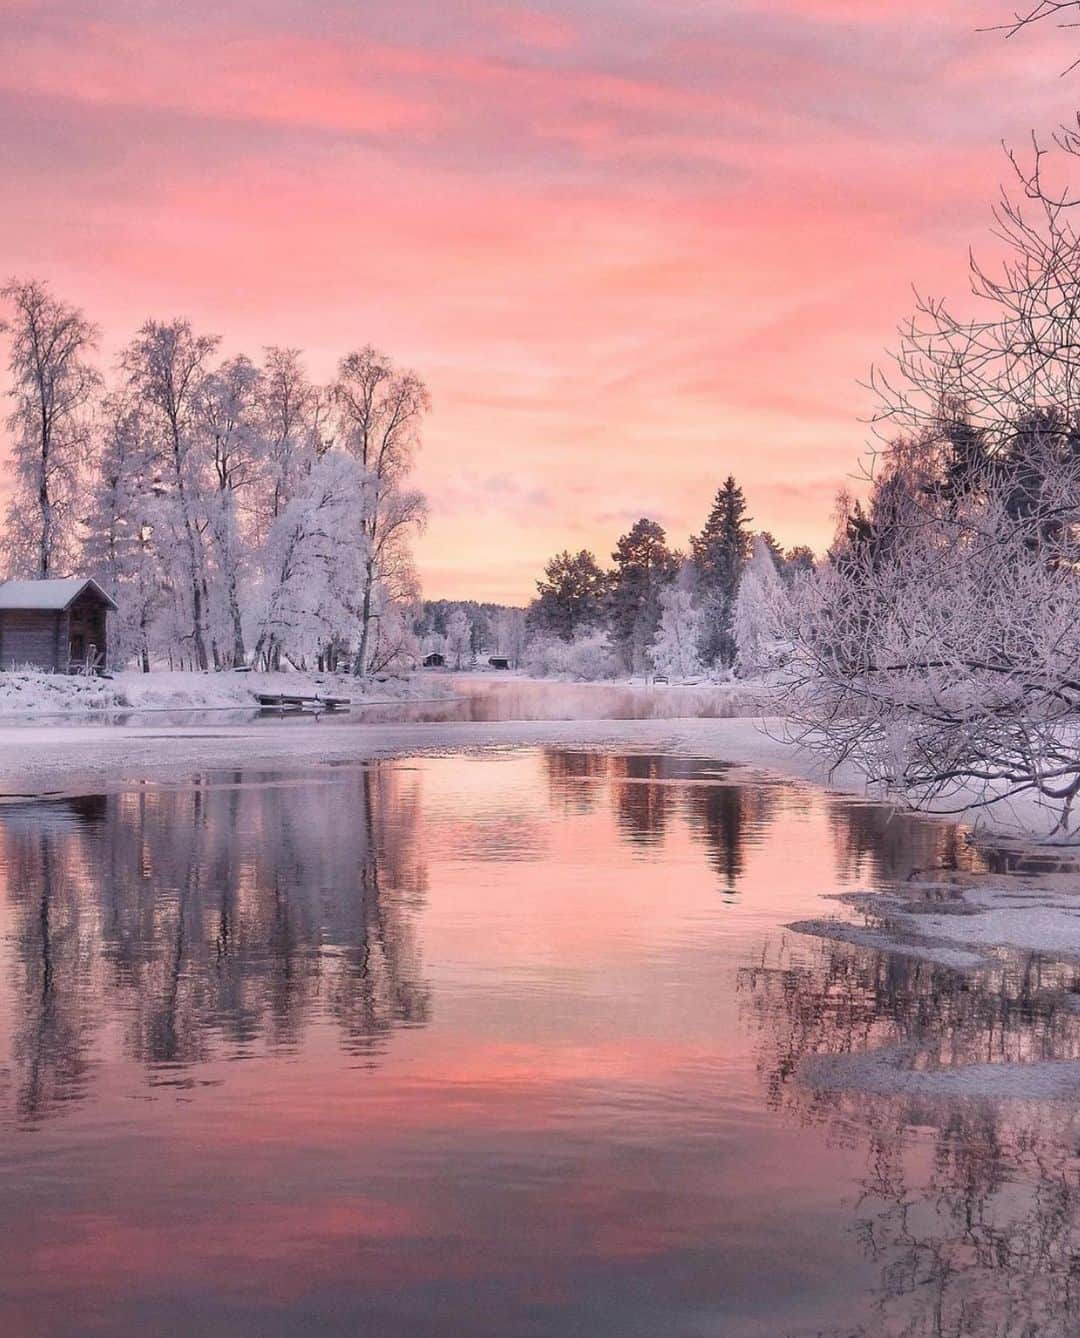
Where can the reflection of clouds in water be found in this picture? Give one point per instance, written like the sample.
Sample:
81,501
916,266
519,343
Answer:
970,1207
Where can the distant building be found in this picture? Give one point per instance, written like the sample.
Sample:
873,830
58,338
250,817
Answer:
434,660
499,662
54,625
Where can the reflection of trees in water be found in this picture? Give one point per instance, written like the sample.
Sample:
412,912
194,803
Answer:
642,802
573,779
211,918
975,1226
884,844
54,939
647,790
726,818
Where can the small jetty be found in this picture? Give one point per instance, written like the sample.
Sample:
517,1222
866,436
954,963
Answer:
283,702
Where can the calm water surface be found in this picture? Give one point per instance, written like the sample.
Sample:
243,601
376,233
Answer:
503,1044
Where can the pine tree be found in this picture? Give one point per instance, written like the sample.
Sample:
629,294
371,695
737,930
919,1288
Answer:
644,565
571,595
720,552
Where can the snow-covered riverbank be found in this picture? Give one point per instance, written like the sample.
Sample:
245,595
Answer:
33,695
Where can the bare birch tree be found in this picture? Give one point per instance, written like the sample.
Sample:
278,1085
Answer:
53,389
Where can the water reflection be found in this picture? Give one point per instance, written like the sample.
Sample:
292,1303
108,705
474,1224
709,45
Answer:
493,1076
968,1207
211,919
221,918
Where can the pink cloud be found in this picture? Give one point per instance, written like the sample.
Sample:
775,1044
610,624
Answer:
634,249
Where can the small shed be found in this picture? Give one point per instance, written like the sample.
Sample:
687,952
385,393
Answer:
499,662
434,660
54,624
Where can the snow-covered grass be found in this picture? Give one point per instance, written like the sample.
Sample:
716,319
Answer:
32,695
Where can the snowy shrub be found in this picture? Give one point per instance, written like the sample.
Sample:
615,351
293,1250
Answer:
757,624
587,657
675,650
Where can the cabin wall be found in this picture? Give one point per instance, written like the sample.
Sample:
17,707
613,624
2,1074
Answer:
88,626
32,637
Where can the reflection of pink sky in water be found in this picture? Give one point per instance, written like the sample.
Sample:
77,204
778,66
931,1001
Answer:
511,1094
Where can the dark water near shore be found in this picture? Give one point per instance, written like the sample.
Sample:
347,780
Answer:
504,1045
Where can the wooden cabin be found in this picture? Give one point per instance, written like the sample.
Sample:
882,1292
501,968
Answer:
54,625
434,660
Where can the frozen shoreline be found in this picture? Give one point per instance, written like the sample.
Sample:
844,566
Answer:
31,696
69,757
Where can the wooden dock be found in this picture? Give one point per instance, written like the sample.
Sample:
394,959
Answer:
295,702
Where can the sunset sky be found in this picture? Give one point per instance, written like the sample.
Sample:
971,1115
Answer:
632,246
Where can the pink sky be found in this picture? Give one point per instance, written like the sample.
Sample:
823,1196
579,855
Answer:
632,245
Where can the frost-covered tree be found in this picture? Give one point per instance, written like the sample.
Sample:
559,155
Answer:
53,387
118,550
937,648
165,366
311,555
508,630
459,638
675,650
288,409
380,411
719,552
758,617
234,459
797,561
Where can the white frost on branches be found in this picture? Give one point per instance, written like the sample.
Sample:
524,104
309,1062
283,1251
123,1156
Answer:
674,650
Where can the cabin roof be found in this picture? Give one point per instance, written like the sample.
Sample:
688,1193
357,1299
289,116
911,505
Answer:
50,596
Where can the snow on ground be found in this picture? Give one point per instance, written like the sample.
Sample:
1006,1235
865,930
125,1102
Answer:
919,947
46,695
1027,915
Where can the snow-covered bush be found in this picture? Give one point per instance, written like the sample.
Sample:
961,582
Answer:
587,657
757,625
675,651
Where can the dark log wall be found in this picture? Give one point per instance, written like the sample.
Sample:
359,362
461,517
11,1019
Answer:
32,637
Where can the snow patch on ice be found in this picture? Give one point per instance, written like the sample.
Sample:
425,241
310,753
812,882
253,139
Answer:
882,1073
919,948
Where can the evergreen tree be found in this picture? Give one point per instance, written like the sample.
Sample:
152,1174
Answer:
644,565
775,551
570,595
796,560
720,552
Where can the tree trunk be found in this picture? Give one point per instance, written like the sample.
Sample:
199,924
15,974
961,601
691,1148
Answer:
360,666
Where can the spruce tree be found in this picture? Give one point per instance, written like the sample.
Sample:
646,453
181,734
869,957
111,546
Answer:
570,595
644,565
720,552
